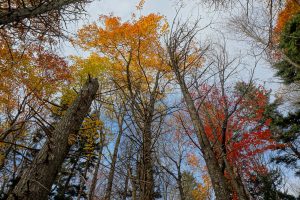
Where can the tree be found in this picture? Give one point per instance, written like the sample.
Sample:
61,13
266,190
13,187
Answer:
285,128
173,151
264,184
203,190
183,57
120,121
16,11
138,71
37,180
189,185
286,133
38,21
289,44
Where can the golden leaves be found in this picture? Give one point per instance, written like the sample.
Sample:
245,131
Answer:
203,190
291,8
132,49
89,133
94,66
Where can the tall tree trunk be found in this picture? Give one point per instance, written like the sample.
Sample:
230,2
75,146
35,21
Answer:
113,165
36,181
235,179
179,183
133,183
147,189
95,175
218,179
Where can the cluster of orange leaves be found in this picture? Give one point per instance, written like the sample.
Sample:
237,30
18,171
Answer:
33,70
291,8
131,47
203,190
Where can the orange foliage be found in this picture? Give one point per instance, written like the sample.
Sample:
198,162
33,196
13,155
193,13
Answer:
193,160
135,43
33,70
203,190
291,8
132,48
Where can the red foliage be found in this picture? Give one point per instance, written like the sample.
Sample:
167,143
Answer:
247,132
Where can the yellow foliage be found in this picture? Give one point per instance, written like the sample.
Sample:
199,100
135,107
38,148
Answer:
94,66
72,139
203,191
90,132
132,48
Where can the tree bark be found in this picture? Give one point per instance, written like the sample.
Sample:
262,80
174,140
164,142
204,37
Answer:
218,179
147,189
19,14
36,181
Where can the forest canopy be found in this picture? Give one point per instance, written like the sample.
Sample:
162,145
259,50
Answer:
187,100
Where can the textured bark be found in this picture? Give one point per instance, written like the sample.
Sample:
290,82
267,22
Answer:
147,186
36,181
147,189
18,14
218,179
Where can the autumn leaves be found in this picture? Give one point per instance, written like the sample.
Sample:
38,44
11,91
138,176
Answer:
133,117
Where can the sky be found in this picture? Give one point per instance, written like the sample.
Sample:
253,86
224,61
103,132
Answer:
192,8
264,74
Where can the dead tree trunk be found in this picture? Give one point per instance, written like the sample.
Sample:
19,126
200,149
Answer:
36,181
